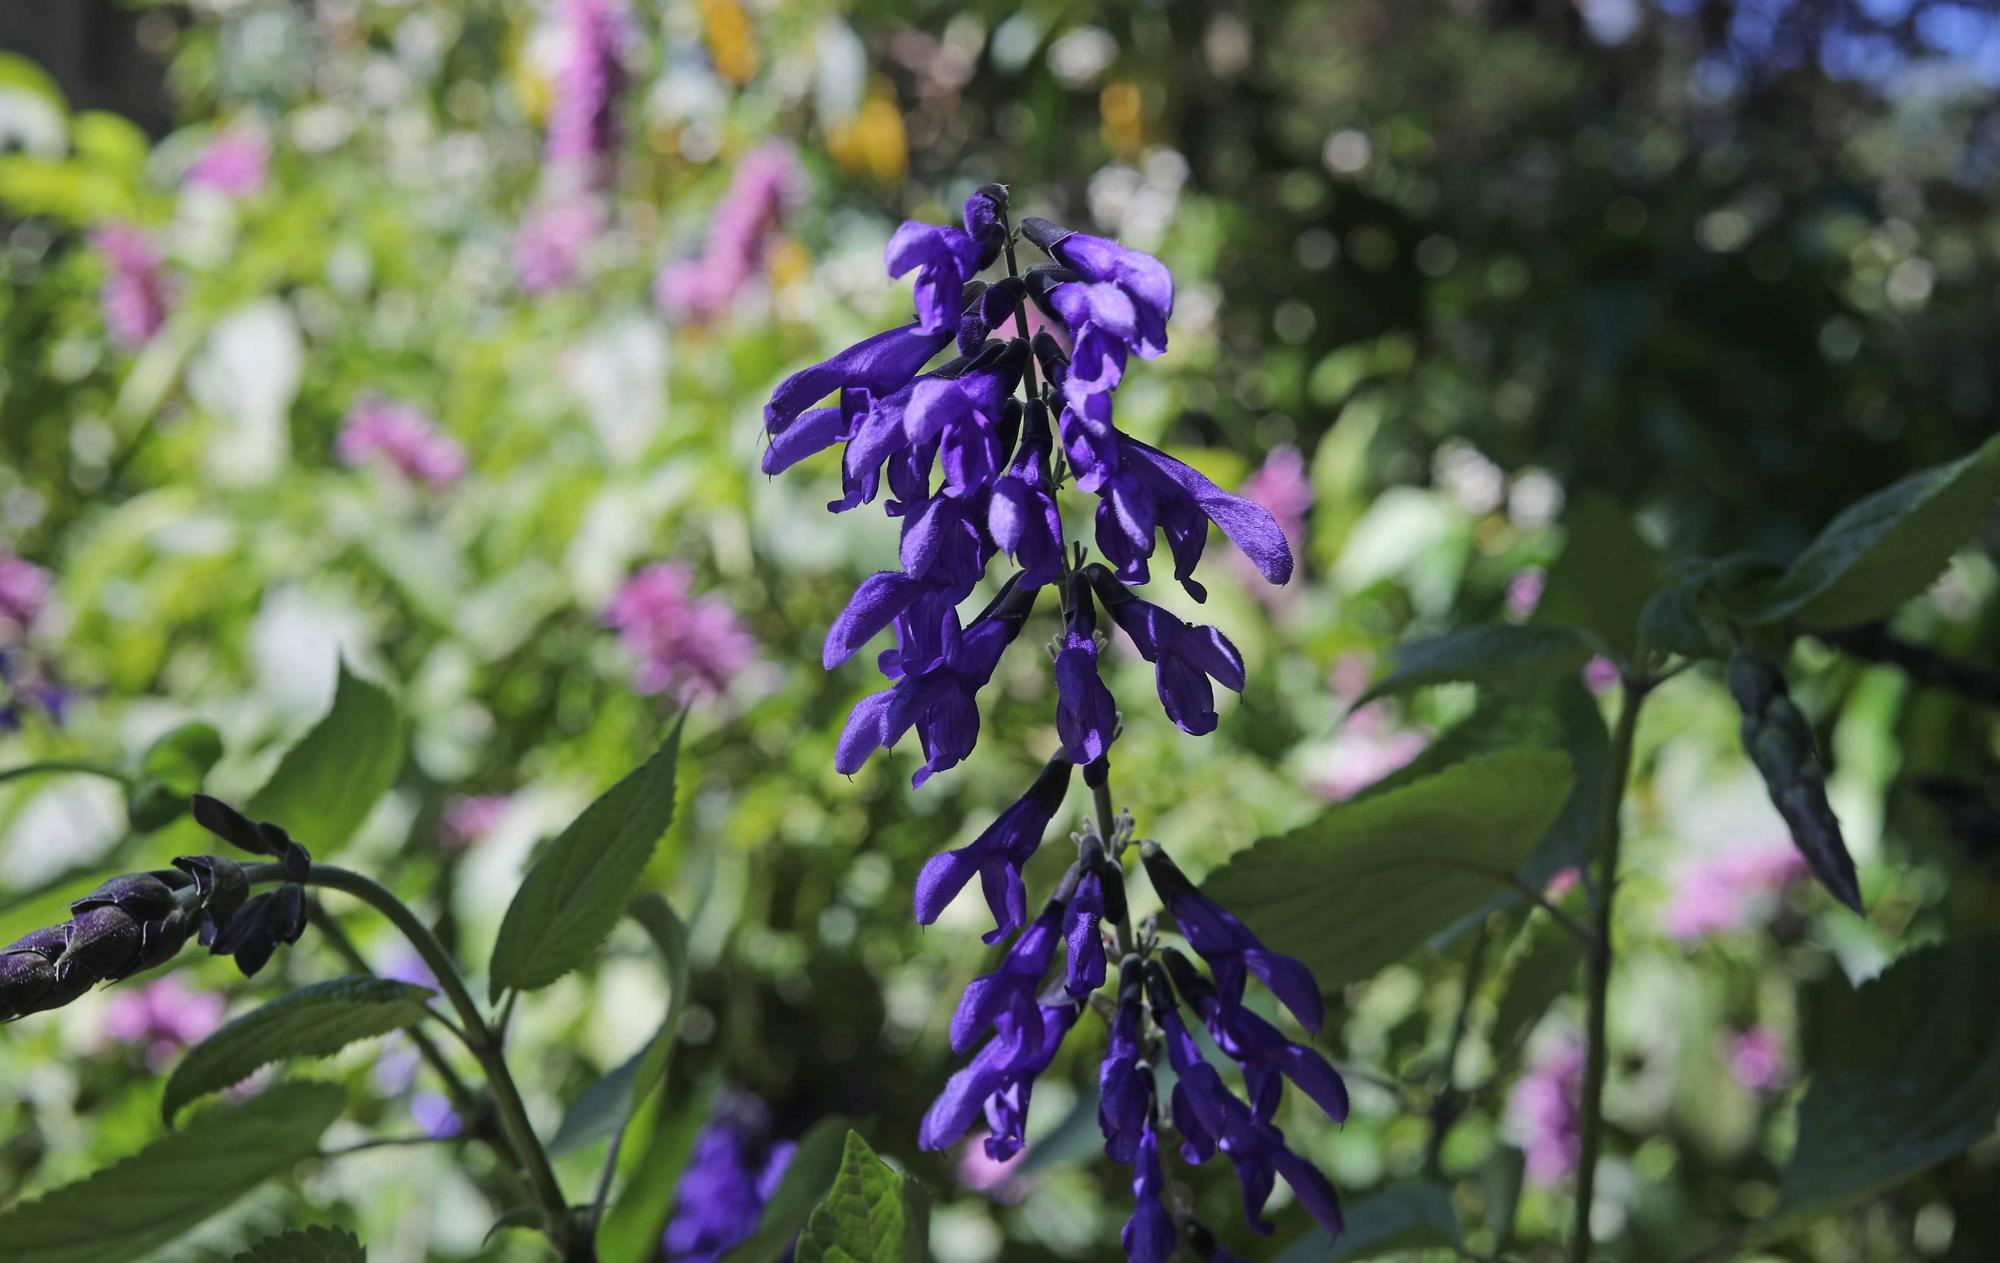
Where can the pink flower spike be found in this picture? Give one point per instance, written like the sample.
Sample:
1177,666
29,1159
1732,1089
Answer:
686,646
402,438
234,163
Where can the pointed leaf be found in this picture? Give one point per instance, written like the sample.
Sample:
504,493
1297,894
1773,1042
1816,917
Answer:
1487,654
1395,1220
326,785
135,1205
1541,969
1887,548
872,1214
1370,882
306,1245
314,1021
572,896
635,1219
1605,575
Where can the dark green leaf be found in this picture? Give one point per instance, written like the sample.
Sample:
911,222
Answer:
572,896
872,1214
805,1182
1369,882
629,1231
1541,969
170,772
1488,653
1690,614
514,1218
306,1245
1604,577
314,1021
142,1202
1401,1217
326,785
1887,548
1904,1072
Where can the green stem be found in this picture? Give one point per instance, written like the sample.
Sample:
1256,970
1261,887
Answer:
1596,1056
1445,1109
106,771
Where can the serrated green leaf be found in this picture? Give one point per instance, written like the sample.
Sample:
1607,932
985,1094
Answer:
306,1245
872,1214
1887,548
807,1178
1540,970
1904,1072
1605,575
135,1205
1393,1220
572,896
629,1230
608,1104
326,785
314,1021
1487,654
1369,882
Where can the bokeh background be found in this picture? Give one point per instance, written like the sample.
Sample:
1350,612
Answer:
316,341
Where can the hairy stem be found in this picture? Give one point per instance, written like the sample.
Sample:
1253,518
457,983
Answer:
1596,1057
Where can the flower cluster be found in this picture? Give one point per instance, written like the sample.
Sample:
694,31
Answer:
1543,1111
731,1174
766,187
162,1018
25,681
974,473
235,163
402,438
549,246
135,297
583,129
686,646
1729,891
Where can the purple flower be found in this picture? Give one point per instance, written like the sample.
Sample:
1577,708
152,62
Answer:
997,856
880,366
234,163
1151,491
1124,1081
583,121
998,1082
1280,485
1009,992
1142,280
686,646
1086,715
1022,516
469,818
404,439
945,258
1258,1048
550,244
24,595
1086,968
731,1173
766,187
1542,1111
434,1116
135,297
1231,950
1183,655
161,1018
1149,1236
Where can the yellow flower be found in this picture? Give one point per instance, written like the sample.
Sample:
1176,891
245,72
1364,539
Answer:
1119,106
732,44
873,141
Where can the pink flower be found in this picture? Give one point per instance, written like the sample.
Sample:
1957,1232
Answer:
686,646
1757,1060
1002,1181
405,439
1561,883
134,298
1281,486
162,1018
24,594
766,187
1542,1111
583,122
468,818
1600,675
1524,592
234,163
1729,891
549,245
1367,750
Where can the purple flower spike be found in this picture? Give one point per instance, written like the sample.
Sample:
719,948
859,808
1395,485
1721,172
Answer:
1151,491
1010,990
944,259
997,856
1258,1047
881,366
1184,656
998,1082
1143,279
1229,947
1149,1236
1124,1082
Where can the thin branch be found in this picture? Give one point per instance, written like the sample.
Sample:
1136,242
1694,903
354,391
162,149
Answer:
388,1142
1871,642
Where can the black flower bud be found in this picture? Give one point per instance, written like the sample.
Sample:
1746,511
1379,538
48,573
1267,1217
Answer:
221,887
103,943
259,926
1779,741
28,981
1043,233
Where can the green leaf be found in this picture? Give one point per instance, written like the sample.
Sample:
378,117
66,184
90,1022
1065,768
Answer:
1392,1220
306,1245
872,1214
1543,965
109,140
629,1231
170,772
516,1217
810,1174
326,785
1604,577
135,1205
314,1021
1691,613
1486,654
571,898
1904,1073
1369,882
1887,548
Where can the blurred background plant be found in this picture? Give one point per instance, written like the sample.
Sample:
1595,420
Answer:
433,336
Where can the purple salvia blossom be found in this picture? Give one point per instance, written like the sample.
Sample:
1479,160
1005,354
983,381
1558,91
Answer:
403,439
549,246
1149,1236
686,646
1231,950
1542,1111
1281,485
997,856
234,163
583,121
767,187
998,1083
730,1176
945,258
1086,966
1008,994
879,366
1124,1080
1258,1049
135,297
1086,715
1185,657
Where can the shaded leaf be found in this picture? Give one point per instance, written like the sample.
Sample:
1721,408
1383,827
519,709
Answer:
1369,882
1690,614
1605,576
513,1218
1401,1217
1540,970
135,1205
325,786
806,1180
170,771
1887,548
630,1229
314,1021
572,896
1488,653
872,1214
306,1245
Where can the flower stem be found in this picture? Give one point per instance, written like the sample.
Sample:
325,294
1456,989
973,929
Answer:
1596,1055
104,770
1449,1102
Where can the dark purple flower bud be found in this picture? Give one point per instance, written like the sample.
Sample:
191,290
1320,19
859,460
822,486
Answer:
104,942
1085,971
944,259
259,926
813,432
1022,516
1259,1048
1149,1236
998,1082
28,979
998,856
880,366
1010,991
220,885
1200,1101
1086,715
229,824
1184,656
1228,946
1151,491
732,1171
1143,279
1000,300
985,218
1124,1082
